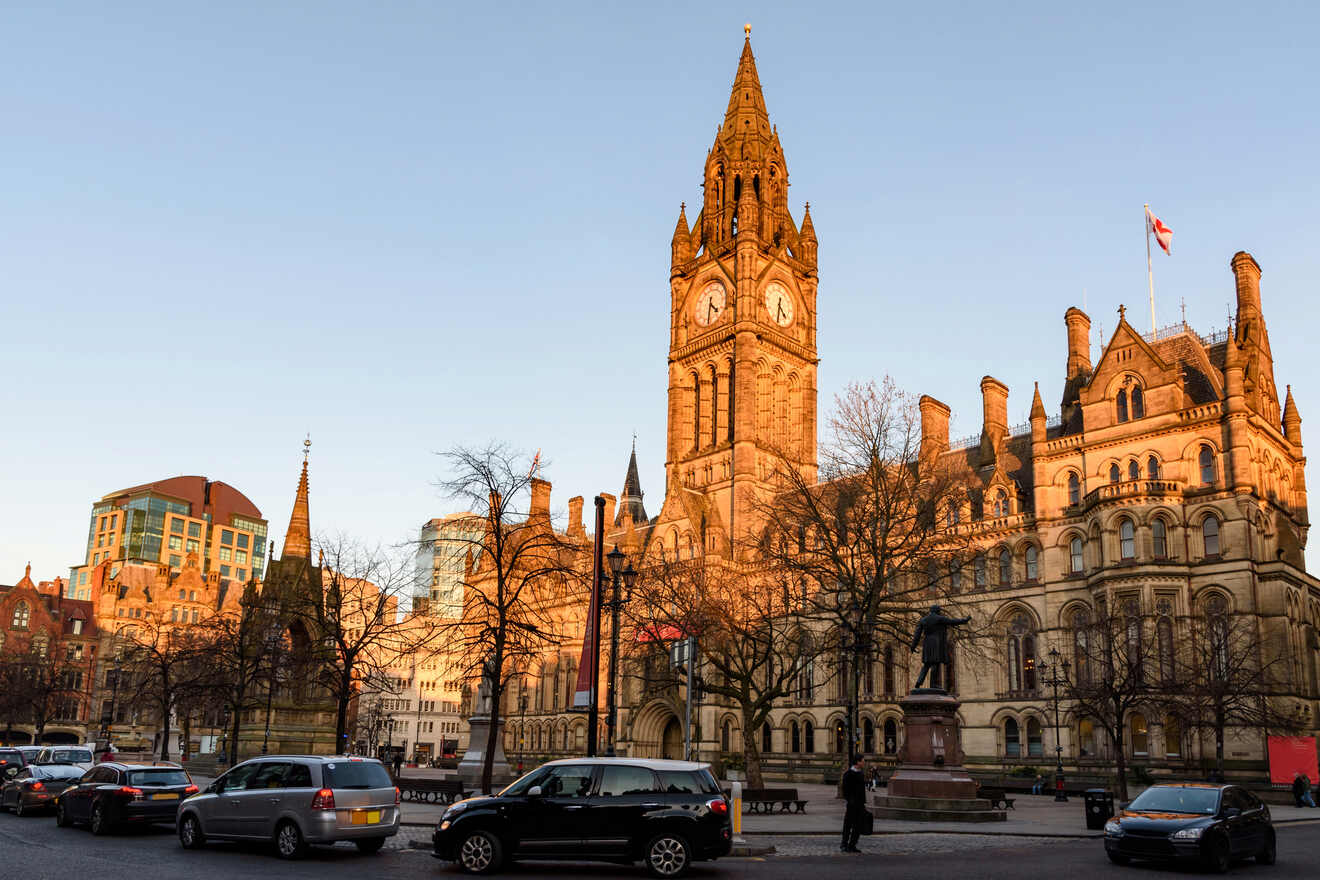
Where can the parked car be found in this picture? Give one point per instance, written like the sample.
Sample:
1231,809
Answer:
35,786
294,801
1212,824
75,755
31,754
113,794
11,761
665,814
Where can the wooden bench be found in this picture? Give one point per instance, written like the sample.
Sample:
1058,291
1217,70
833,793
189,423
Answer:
764,800
436,791
996,796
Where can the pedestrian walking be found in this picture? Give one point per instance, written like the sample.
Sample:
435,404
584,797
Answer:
1306,799
398,764
854,795
875,779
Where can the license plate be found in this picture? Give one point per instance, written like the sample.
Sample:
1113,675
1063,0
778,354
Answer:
366,817
164,797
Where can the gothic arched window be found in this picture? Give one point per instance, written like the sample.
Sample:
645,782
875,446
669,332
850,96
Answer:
1134,470
888,680
1074,490
766,737
1164,639
1005,568
1122,406
868,736
1076,560
1033,563
1139,734
1210,535
1217,635
1021,654
1001,503
1081,626
891,737
795,737
808,738
1159,538
1114,474
1152,468
1035,739
22,615
1127,543
726,736
1138,403
1206,460
1012,739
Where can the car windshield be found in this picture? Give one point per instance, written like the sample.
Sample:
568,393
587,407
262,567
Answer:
57,771
1196,801
520,786
158,777
357,774
70,756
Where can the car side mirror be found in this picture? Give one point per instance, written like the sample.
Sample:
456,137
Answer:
1123,805
1232,812
534,791
213,788
11,772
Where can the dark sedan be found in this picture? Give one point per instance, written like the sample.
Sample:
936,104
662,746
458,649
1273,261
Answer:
1209,824
113,794
35,787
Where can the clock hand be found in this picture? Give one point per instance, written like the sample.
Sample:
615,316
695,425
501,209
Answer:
710,310
780,307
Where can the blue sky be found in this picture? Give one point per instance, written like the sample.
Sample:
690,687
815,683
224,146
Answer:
402,226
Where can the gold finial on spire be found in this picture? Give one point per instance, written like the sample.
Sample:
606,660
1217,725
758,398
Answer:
747,30
307,445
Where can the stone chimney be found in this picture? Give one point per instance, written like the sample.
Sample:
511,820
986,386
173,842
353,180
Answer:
994,417
609,509
540,499
575,516
934,426
1079,342
1246,272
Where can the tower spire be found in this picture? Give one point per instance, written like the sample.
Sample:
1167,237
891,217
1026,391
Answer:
746,113
630,499
298,539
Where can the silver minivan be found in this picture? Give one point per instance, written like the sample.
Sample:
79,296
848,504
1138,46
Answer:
294,801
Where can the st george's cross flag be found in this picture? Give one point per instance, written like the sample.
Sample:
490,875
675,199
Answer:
1162,233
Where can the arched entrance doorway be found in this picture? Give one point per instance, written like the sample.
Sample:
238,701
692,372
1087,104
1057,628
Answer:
60,738
671,745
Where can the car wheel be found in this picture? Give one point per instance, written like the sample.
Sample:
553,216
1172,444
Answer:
668,855
1118,860
1267,853
18,807
99,824
190,833
61,817
370,845
1217,856
480,853
289,842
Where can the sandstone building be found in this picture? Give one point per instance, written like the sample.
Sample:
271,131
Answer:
1167,483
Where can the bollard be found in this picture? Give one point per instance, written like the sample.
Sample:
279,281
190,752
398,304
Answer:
735,807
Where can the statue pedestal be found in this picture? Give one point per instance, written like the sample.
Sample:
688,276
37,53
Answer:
470,767
930,783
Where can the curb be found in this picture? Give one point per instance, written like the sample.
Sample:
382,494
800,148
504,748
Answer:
1064,836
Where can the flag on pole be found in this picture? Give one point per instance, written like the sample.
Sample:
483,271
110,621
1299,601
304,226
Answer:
1162,233
536,459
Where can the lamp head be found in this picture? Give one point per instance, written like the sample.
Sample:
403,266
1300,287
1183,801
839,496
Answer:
630,578
615,558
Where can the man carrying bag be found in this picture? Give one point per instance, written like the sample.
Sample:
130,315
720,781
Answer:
857,820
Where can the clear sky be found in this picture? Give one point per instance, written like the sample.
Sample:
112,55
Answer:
402,226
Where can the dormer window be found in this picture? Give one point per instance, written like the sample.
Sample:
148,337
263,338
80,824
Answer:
1122,404
1130,402
1138,403
1001,503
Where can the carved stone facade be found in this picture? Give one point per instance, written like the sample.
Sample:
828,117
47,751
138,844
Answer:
1170,481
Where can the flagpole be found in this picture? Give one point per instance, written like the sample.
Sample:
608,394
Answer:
1150,272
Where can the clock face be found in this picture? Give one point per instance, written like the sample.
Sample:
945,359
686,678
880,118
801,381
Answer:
779,303
710,304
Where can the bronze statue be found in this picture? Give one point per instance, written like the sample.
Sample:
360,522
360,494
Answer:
935,646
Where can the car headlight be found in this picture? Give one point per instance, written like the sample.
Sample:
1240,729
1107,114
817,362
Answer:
451,813
1113,827
1188,834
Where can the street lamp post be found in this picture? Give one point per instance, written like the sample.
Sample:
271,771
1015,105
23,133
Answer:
272,646
629,578
1055,666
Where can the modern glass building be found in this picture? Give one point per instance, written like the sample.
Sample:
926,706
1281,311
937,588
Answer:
167,522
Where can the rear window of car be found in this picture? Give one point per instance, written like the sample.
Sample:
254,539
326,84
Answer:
71,756
57,771
158,777
687,782
356,774
12,756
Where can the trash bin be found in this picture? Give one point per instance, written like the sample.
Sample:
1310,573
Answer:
1099,808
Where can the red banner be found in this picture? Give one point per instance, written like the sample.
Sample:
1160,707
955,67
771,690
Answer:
1290,755
586,687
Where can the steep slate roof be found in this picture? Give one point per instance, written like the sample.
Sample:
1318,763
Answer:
630,500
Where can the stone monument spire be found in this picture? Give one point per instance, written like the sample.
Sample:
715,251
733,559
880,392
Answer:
298,539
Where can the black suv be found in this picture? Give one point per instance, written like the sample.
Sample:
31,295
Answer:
667,814
1211,824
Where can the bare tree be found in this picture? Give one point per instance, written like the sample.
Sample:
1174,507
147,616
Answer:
1225,675
347,633
1118,671
516,565
878,532
751,646
165,663
237,651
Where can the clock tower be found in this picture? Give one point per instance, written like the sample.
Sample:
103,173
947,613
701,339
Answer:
742,351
